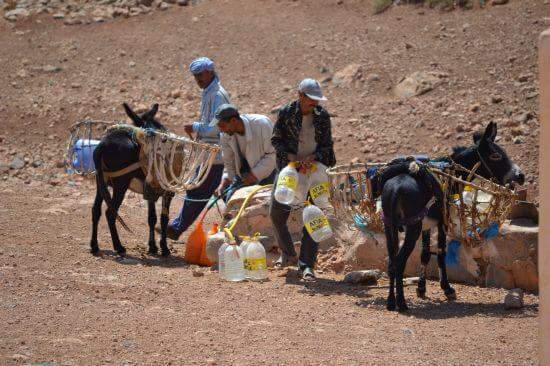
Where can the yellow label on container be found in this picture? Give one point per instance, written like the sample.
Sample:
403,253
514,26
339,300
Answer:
316,224
255,264
318,190
288,181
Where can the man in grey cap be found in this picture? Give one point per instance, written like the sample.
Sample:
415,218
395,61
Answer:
248,156
213,95
302,134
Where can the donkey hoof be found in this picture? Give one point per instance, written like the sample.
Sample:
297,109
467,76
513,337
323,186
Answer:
390,304
165,252
121,251
451,294
402,308
94,250
153,250
421,293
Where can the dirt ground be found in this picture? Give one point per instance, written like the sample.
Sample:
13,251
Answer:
61,305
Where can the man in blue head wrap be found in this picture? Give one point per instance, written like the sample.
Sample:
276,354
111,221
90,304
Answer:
213,95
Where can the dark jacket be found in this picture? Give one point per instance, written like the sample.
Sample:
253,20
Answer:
286,134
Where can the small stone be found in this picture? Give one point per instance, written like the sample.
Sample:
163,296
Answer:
408,46
365,277
524,78
18,162
514,299
197,273
175,94
76,86
211,362
475,107
461,128
58,16
532,95
16,14
164,6
48,69
522,117
183,2
37,163
373,77
495,99
194,19
518,140
4,168
132,64
323,70
499,2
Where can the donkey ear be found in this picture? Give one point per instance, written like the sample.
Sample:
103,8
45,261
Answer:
490,132
134,117
150,114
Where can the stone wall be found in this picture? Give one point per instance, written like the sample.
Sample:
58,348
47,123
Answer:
509,260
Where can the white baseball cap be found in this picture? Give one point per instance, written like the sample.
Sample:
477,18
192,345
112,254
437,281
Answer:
312,89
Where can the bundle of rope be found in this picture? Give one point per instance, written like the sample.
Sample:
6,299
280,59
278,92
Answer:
169,162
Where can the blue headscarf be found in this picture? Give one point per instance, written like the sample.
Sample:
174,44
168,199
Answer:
201,64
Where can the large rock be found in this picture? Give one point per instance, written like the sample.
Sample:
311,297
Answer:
419,83
508,260
348,75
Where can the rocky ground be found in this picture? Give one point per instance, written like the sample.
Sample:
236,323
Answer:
65,306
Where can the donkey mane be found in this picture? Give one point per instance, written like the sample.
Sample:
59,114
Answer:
457,150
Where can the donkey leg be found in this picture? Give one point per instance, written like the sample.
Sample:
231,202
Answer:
152,220
441,253
392,243
96,215
412,233
118,196
164,217
424,260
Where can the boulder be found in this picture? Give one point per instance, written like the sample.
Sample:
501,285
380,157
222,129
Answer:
419,83
507,260
348,75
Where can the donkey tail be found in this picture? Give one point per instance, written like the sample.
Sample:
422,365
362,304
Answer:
102,186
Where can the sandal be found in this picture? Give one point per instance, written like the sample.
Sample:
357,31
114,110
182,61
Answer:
307,274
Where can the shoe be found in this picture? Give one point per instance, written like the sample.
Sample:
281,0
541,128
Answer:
308,274
170,232
286,261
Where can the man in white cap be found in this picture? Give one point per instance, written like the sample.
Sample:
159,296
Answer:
248,156
302,134
213,95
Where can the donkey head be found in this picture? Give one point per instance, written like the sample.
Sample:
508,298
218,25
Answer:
147,119
495,163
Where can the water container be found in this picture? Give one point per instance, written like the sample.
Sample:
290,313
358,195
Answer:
83,155
316,223
468,195
483,201
221,259
244,246
454,215
234,263
287,183
256,260
318,183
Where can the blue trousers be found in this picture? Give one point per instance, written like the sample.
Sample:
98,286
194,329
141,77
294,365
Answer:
192,209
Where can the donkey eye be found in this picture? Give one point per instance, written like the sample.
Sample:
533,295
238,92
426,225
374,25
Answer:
495,156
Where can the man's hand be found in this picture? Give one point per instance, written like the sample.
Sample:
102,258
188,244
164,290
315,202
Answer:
306,164
223,185
250,179
188,130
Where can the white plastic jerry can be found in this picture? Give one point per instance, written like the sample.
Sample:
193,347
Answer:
221,259
287,184
244,246
318,186
256,260
316,223
234,263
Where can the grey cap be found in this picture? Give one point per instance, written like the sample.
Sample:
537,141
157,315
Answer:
312,89
223,113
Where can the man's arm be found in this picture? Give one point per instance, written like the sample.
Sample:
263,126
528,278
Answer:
278,139
230,169
266,164
203,128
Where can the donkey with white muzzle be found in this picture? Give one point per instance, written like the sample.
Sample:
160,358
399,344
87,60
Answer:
412,198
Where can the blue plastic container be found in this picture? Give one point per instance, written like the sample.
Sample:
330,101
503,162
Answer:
82,155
